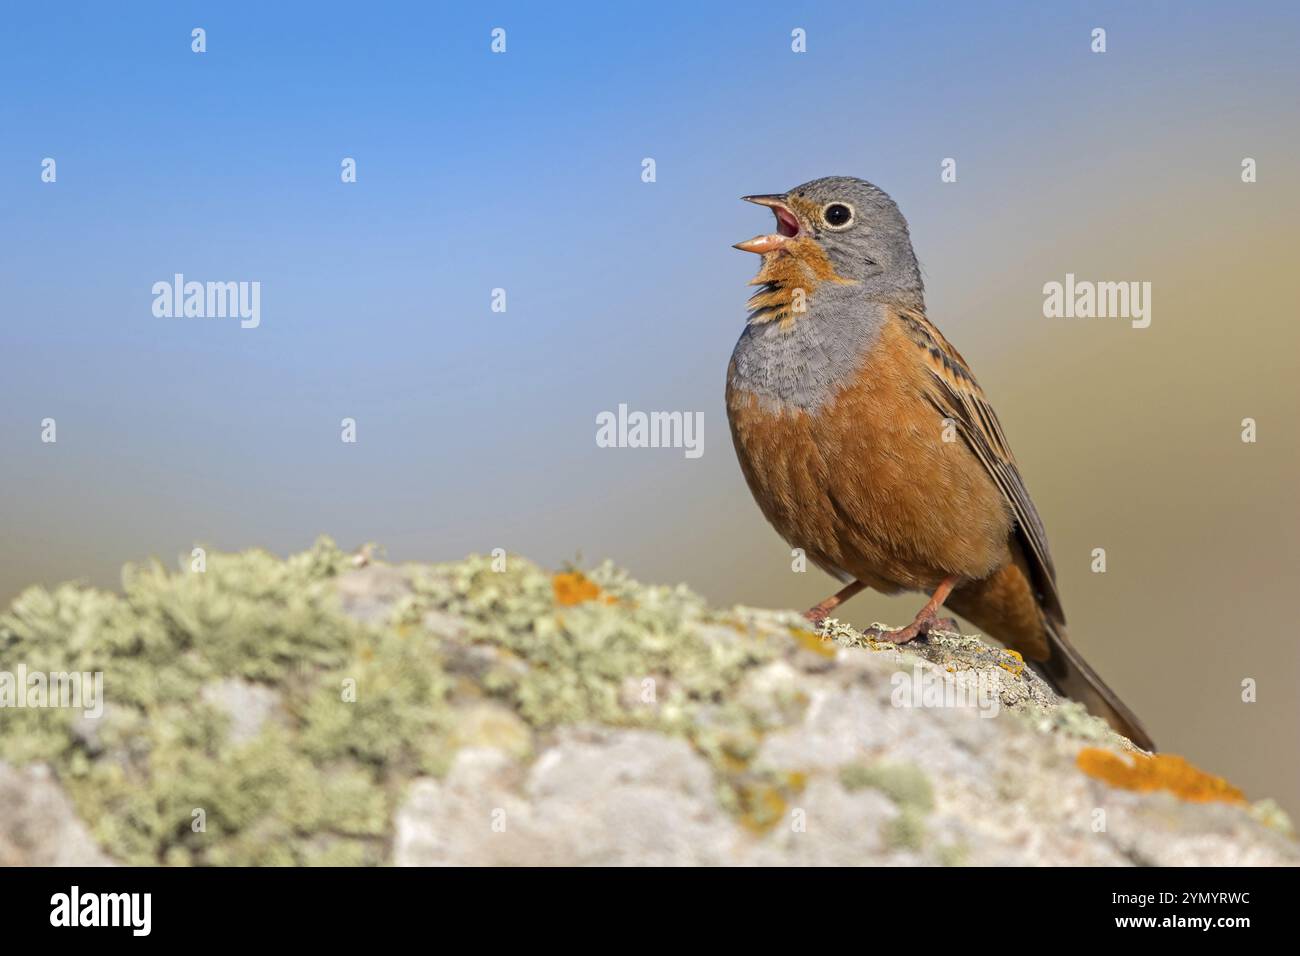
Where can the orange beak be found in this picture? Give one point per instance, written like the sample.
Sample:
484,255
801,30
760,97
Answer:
787,226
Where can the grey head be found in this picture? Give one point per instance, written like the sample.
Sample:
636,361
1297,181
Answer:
842,251
855,226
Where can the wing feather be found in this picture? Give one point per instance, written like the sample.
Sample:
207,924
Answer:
956,395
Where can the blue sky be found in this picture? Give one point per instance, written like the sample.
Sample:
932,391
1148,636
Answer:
479,171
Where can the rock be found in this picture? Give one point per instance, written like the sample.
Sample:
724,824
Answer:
38,825
486,725
369,593
481,712
607,798
248,706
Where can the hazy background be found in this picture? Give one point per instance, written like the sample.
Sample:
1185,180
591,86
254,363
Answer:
522,171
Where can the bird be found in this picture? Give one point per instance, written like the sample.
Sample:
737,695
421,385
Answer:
867,442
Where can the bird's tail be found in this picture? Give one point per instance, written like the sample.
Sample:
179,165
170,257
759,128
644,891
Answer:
1067,672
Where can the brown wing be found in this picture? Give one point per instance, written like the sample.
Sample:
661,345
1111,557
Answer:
956,395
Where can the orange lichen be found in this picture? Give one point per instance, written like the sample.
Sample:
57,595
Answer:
1018,667
810,641
574,587
762,807
731,763
1157,772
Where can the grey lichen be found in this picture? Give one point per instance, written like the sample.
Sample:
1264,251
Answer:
910,790
165,777
905,784
364,708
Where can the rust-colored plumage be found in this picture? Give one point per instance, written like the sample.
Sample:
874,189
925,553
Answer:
899,476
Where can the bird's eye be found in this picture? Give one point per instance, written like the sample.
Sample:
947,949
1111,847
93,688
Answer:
837,215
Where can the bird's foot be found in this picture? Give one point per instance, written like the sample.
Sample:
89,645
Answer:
927,619
815,615
921,627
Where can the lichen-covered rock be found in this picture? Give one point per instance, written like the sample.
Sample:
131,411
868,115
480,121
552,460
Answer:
327,709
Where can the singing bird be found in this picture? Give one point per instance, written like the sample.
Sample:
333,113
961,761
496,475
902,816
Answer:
867,442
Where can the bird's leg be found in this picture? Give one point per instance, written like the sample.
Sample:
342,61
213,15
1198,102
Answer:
926,619
819,612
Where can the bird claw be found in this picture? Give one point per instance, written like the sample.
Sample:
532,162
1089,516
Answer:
921,627
887,635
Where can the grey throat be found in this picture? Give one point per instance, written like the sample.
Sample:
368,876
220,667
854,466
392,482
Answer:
804,365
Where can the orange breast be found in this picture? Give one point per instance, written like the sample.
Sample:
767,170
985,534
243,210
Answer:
867,485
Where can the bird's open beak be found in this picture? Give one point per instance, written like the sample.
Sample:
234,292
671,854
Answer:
787,226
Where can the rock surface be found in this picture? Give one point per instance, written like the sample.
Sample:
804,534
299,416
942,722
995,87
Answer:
38,825
486,712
